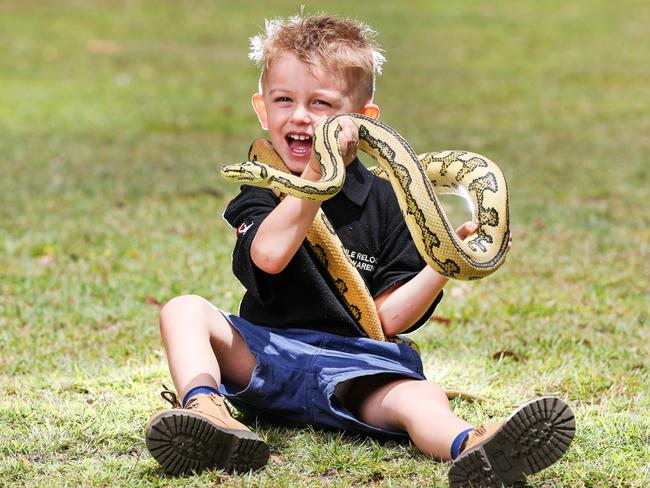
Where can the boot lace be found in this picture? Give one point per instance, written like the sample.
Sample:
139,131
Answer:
480,430
171,397
193,402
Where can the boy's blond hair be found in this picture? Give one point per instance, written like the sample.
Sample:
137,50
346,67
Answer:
338,45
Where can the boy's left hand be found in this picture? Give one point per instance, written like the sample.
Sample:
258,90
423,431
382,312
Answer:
468,228
348,139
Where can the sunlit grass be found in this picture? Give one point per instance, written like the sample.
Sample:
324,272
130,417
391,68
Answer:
114,118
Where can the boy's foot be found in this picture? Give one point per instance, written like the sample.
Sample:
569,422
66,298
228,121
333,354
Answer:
203,435
535,436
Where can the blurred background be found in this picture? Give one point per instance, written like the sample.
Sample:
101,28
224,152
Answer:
114,119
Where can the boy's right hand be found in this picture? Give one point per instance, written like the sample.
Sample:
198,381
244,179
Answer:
348,139
349,143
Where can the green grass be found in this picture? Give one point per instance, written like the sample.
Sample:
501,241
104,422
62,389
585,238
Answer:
114,117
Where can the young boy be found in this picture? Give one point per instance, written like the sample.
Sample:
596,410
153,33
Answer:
295,354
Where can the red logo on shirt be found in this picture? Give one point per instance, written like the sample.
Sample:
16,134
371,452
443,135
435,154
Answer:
242,229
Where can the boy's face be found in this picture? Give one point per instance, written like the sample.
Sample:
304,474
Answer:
295,101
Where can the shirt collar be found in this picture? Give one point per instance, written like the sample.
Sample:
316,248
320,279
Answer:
358,181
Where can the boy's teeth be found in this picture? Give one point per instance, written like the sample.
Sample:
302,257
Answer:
299,144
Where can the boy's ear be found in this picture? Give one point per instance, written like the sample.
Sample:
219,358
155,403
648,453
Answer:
371,110
260,110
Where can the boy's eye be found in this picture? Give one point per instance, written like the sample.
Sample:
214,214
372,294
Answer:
322,102
283,99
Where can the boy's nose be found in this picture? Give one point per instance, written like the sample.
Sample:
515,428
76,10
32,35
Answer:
300,115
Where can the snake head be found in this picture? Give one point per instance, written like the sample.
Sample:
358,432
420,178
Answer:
250,171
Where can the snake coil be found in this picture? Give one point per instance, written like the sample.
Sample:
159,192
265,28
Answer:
415,180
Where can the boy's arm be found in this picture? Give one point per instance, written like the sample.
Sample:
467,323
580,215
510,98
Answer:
283,231
403,305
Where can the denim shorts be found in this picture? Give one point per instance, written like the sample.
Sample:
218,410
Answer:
301,373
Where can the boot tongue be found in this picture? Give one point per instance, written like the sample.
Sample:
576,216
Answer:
480,434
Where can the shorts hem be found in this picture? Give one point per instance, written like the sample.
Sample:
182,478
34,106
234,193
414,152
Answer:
343,412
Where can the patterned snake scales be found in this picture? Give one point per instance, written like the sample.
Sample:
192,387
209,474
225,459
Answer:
413,179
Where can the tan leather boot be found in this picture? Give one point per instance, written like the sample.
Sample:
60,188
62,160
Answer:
535,436
203,435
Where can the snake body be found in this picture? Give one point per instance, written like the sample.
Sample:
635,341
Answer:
329,251
413,179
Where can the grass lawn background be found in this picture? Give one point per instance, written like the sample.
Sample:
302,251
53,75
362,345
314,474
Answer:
114,117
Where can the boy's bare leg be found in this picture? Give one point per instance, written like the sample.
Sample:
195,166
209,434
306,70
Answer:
418,407
533,437
202,346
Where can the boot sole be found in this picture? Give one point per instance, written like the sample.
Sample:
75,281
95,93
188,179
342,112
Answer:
184,443
531,439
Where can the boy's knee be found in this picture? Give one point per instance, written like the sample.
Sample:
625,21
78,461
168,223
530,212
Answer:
179,307
435,390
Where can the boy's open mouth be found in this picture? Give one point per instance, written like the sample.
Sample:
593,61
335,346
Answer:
299,144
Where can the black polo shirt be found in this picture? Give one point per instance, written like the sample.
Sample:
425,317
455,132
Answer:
367,219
